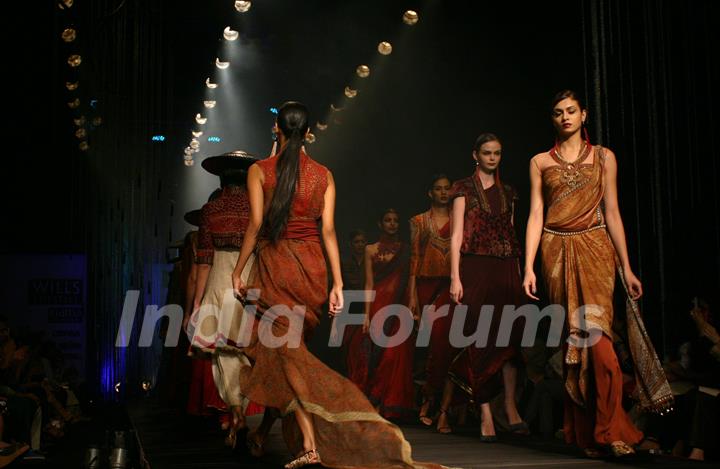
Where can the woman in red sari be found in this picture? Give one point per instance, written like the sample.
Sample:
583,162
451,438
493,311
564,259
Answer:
326,419
429,284
389,384
583,244
485,271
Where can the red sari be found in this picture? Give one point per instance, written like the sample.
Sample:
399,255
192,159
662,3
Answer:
389,384
291,271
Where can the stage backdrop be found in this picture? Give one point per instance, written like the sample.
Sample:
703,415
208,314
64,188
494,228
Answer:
46,293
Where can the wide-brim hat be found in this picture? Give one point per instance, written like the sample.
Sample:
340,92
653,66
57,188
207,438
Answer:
237,159
193,217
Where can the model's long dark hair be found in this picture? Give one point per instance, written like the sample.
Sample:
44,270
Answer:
293,123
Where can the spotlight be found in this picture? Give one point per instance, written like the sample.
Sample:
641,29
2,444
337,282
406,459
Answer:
80,121
80,133
97,121
63,4
210,85
243,7
350,93
145,385
74,60
209,104
320,126
200,119
410,17
189,162
68,35
194,144
385,48
72,86
84,147
335,108
230,35
310,138
197,134
221,65
93,103
363,71
74,104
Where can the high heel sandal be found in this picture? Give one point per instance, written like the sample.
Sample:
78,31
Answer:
311,457
620,449
424,408
444,429
238,427
255,444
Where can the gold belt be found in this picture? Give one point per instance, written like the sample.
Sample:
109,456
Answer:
573,233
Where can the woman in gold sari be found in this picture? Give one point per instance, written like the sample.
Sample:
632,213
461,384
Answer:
583,243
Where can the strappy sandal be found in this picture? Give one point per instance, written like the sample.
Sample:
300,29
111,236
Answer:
445,429
593,453
424,408
237,431
620,449
311,457
255,444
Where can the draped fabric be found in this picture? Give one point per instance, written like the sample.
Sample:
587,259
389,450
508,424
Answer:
579,264
291,273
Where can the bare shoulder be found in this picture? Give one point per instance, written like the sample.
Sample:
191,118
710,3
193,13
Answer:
371,248
541,161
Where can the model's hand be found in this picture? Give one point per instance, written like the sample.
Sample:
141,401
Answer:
456,290
413,306
238,286
336,301
633,284
530,285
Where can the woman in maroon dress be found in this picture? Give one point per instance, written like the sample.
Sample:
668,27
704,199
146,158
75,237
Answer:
485,271
323,413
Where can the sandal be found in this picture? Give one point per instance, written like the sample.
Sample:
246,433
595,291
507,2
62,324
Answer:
620,449
238,427
520,428
424,408
255,444
444,429
311,457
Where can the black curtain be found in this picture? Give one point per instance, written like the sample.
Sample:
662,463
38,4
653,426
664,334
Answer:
651,80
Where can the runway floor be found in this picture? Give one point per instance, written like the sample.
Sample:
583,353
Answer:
174,441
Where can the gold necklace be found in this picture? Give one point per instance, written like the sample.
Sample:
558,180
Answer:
571,174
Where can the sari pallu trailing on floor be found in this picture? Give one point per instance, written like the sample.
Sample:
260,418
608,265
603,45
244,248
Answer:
579,264
291,272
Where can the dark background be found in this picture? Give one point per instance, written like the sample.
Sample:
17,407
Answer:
647,70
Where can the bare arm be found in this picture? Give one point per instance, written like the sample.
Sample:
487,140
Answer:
369,282
190,289
256,196
203,272
456,237
414,261
534,228
331,246
615,224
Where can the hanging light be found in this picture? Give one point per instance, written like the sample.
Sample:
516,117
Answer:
74,60
72,86
310,138
243,7
210,85
410,17
350,93
320,126
209,104
363,71
83,146
385,48
80,133
200,119
230,35
197,134
74,104
221,65
68,35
